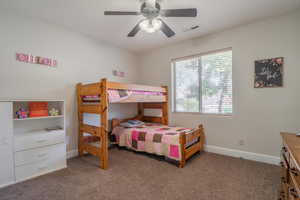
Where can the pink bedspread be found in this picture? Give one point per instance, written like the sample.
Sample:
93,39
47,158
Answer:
152,138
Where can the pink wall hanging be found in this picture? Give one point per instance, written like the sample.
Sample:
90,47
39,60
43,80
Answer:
21,57
118,73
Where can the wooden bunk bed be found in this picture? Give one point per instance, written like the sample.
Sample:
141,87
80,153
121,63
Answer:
95,98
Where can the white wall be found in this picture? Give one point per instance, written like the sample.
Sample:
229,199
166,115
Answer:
259,114
80,59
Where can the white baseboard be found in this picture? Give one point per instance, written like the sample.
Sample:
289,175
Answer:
64,166
223,151
243,154
72,154
6,184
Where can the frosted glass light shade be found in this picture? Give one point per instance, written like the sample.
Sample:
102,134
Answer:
150,26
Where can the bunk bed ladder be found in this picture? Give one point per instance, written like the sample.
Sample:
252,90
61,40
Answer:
102,131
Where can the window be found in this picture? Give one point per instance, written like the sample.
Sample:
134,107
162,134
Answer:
203,83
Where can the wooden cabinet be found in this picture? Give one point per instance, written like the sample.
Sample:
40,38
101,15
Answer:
290,170
6,144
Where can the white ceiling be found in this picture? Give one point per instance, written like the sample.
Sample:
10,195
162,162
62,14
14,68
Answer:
86,16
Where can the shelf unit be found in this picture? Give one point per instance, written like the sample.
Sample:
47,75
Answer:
31,149
35,118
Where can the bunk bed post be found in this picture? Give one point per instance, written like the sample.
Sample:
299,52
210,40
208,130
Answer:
202,137
104,125
182,140
80,119
140,111
165,107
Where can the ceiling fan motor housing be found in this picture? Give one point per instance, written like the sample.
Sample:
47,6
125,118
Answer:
150,12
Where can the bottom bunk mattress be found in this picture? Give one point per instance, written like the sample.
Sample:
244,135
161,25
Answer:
153,138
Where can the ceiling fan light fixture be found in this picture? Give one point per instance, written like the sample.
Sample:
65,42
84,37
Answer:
152,13
151,25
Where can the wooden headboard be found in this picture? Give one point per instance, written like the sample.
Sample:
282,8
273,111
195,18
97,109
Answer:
116,122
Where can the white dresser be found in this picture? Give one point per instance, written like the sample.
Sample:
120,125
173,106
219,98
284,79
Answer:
27,149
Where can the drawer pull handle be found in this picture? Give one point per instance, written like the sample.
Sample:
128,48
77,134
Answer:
281,164
282,195
41,141
283,179
293,192
294,171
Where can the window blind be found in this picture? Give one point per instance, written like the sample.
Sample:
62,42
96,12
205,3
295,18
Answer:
204,83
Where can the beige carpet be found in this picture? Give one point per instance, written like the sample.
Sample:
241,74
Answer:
133,176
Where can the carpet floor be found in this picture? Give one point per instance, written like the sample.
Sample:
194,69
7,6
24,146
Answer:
133,176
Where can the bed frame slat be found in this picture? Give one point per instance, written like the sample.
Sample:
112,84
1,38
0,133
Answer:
90,89
192,150
92,149
190,137
153,119
92,109
93,130
152,106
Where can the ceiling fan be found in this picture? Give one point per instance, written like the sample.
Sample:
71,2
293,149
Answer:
153,13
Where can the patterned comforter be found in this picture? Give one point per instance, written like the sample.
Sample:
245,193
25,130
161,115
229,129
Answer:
152,138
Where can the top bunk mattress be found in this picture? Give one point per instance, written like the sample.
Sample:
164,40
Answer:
127,96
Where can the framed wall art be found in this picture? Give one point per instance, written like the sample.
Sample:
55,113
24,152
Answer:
269,73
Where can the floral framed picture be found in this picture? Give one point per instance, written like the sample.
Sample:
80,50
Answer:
269,73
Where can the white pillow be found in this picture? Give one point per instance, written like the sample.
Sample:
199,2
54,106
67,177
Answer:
132,123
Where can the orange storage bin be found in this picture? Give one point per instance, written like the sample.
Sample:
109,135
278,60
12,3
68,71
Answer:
38,109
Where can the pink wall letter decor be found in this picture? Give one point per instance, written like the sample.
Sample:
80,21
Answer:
21,57
118,73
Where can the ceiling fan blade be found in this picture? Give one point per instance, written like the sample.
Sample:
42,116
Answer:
166,29
189,12
135,30
121,13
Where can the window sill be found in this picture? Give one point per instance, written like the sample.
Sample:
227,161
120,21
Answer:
205,114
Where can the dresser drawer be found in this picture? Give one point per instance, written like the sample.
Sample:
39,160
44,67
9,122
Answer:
38,139
39,154
294,175
293,192
283,193
50,164
284,172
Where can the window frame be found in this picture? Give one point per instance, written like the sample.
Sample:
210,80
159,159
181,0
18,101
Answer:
173,79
